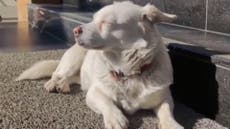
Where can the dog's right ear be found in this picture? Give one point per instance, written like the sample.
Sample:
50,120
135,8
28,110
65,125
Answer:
154,15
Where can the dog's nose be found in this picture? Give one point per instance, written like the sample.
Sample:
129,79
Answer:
77,31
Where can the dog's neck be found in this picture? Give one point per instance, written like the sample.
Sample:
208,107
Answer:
131,61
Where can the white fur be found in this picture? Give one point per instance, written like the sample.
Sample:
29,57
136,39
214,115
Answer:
121,37
42,68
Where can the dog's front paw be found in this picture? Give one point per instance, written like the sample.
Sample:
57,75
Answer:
50,86
116,121
63,88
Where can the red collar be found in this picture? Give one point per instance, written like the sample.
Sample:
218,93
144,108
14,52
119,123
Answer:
120,75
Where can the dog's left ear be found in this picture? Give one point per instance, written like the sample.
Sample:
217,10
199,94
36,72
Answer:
154,15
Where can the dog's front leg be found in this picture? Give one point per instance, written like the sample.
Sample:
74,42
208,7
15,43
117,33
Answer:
165,114
102,104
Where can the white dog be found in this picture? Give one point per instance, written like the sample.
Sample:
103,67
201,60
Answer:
125,65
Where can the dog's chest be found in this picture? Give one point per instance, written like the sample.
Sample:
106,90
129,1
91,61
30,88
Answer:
130,89
131,94
134,94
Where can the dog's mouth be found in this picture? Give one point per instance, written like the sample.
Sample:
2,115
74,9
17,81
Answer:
94,47
83,44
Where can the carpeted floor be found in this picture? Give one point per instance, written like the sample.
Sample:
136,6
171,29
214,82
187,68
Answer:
26,105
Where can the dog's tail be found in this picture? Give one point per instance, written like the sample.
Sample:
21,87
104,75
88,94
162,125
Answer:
39,70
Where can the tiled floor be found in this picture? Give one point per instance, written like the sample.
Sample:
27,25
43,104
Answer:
18,37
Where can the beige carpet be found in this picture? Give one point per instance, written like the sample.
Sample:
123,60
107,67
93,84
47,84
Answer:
26,105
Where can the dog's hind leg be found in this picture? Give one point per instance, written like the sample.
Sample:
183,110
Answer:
102,104
59,84
67,71
165,114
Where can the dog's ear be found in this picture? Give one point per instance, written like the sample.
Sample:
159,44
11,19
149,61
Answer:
154,15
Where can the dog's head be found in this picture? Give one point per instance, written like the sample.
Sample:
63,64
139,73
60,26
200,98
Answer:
120,25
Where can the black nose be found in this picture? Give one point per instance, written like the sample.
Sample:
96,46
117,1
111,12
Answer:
77,31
